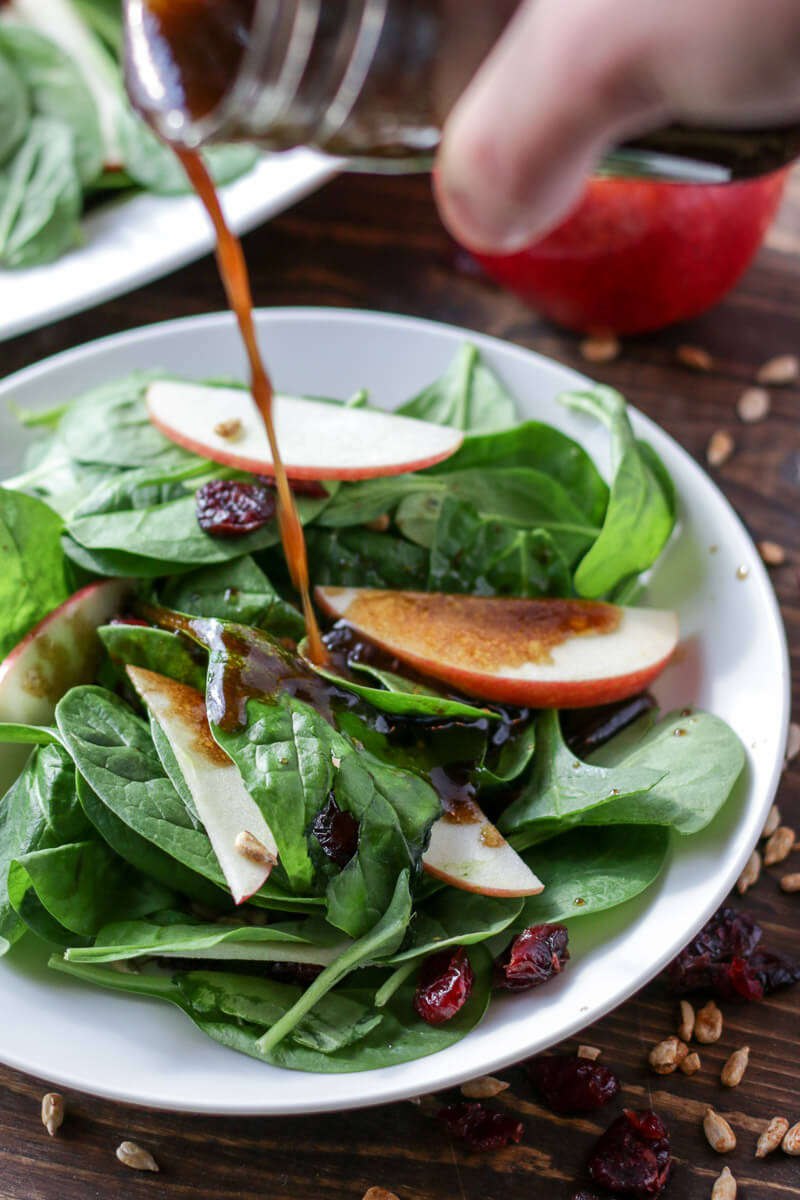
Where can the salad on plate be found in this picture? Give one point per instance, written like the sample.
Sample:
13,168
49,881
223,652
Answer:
333,866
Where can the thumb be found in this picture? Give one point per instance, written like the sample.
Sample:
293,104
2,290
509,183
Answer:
563,82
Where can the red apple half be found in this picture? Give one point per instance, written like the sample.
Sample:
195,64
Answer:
542,653
469,853
317,440
222,801
60,652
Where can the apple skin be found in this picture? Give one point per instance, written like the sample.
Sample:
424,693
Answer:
573,689
161,414
636,255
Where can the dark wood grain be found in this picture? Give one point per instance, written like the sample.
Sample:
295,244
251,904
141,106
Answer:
377,243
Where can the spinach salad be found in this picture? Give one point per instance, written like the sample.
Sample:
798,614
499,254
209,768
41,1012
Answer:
69,138
107,851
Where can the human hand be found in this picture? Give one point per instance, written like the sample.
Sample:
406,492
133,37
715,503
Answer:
569,79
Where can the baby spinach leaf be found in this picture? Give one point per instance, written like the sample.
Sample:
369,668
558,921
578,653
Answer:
296,941
153,165
507,761
141,487
57,90
404,698
145,855
588,870
379,943
540,448
109,425
699,758
32,580
335,1022
14,107
40,197
40,810
105,18
468,396
155,649
28,735
641,509
116,563
114,752
456,918
487,557
562,790
362,558
83,886
236,591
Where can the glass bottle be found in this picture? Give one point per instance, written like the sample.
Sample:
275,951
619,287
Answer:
370,80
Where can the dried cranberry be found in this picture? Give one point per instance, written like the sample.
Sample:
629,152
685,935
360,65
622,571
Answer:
727,958
479,1127
229,508
535,956
302,974
586,1196
572,1085
632,1157
308,487
129,621
337,832
444,986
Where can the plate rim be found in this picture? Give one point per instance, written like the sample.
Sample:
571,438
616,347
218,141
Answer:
264,316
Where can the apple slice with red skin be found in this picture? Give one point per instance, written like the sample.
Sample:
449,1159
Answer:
537,653
62,651
317,440
469,853
222,801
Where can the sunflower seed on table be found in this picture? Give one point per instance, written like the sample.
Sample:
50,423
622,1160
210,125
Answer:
130,1154
793,742
691,1064
791,1140
779,846
53,1111
379,1193
750,874
733,1071
720,448
667,1056
772,553
590,1052
686,1027
599,349
791,883
772,1137
708,1024
719,1134
724,1186
753,405
784,368
694,357
483,1088
772,822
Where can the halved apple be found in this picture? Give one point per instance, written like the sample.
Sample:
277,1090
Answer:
223,803
469,853
542,653
60,652
317,440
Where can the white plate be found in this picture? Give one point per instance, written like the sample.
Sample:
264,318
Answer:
733,661
132,240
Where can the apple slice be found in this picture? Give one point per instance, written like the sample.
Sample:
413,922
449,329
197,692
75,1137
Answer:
223,804
542,653
63,650
467,852
317,440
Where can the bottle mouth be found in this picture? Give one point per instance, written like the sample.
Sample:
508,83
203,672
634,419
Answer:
277,94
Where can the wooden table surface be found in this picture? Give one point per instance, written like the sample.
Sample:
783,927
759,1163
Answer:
376,243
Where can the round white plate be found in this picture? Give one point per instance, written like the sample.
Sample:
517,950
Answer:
130,240
732,661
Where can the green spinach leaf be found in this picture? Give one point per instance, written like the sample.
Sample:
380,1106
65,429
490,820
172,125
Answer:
362,558
15,109
154,166
468,396
236,591
40,197
33,580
